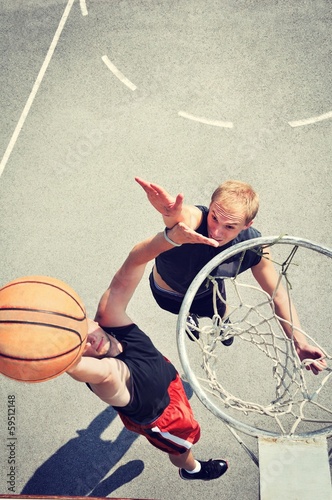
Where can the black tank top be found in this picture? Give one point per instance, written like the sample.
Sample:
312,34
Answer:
151,374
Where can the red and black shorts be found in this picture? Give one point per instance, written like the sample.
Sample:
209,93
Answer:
176,430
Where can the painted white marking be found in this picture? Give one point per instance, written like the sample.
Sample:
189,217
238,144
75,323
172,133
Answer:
118,73
84,10
216,123
35,87
309,121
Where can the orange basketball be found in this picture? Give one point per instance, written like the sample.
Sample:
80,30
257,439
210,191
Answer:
43,328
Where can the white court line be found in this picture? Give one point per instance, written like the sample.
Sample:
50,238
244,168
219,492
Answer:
118,73
216,123
84,10
309,121
35,87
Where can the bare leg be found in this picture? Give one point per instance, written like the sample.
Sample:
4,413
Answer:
184,461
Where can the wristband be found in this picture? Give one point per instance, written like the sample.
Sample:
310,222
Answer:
169,239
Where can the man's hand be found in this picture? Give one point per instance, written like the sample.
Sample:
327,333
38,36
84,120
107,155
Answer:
161,200
181,233
307,353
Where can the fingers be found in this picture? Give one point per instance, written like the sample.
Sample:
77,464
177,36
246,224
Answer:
211,242
154,189
319,366
149,187
315,365
181,233
141,182
86,347
178,201
199,238
312,368
144,184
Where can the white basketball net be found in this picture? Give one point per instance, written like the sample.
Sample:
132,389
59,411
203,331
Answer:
296,400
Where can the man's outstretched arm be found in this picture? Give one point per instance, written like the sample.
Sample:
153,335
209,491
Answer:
113,304
268,278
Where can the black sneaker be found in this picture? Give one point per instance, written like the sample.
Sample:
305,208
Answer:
230,340
192,322
212,469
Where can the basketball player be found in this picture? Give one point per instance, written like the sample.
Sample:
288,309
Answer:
125,370
228,220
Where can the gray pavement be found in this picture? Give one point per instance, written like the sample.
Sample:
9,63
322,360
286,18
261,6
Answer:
72,139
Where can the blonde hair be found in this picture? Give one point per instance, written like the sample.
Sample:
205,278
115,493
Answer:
237,195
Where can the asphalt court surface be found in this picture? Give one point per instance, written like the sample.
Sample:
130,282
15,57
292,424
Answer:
186,94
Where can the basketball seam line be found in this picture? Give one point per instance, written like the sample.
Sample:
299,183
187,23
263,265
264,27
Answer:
39,359
19,322
44,283
42,311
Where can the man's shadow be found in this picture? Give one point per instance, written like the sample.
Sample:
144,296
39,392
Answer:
79,467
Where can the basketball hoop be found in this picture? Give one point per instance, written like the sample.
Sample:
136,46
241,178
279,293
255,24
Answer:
259,386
